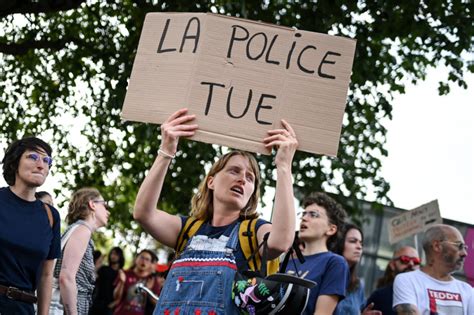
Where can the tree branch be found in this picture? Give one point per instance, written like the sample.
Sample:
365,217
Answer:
8,7
24,47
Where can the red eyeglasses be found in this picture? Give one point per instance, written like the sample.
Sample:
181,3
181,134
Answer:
406,260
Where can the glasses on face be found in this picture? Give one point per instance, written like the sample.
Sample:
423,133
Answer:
460,245
406,260
36,157
144,258
312,214
104,202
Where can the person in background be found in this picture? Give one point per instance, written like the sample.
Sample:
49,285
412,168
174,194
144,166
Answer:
404,259
97,255
129,301
321,220
350,246
103,301
159,280
30,238
45,197
75,269
432,289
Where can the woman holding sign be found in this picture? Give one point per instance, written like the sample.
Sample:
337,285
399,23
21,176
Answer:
228,194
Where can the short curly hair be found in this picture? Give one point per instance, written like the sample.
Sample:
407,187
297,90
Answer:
335,212
13,154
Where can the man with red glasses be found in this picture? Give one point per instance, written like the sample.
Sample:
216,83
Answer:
404,259
432,289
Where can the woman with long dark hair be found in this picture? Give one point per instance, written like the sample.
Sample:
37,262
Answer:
103,303
350,246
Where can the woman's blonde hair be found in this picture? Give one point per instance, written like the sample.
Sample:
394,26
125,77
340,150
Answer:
79,205
201,204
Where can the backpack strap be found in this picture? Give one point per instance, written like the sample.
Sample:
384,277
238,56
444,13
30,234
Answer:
50,214
191,226
249,243
251,248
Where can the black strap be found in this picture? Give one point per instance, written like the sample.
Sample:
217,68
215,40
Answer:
263,267
249,237
264,258
295,248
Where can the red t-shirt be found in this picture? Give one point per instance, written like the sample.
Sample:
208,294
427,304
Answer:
132,303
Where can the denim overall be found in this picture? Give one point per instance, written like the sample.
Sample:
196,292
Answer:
200,280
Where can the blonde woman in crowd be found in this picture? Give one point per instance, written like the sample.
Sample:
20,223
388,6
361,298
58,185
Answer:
74,271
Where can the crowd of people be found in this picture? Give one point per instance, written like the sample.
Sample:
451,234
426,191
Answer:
48,273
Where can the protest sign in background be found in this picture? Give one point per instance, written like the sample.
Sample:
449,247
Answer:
241,78
414,221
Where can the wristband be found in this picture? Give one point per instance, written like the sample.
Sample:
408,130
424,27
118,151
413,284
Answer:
165,154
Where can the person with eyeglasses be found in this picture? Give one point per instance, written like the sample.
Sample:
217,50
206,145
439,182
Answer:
74,273
129,301
29,229
404,259
432,289
320,226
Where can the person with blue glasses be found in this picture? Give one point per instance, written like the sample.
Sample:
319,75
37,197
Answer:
29,230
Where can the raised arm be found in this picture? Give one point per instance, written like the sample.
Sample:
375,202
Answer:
161,225
72,257
284,208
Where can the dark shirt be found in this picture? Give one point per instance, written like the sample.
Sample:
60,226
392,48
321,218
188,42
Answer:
382,299
104,291
330,272
26,240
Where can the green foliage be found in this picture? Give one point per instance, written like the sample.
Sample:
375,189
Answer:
71,59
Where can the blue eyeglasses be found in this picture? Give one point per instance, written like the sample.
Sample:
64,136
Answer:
36,157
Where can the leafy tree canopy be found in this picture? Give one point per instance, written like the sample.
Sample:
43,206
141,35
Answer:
65,66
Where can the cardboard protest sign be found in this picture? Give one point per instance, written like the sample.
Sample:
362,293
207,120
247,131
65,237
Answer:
241,78
414,221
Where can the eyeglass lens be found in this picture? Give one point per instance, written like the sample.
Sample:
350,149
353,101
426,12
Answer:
36,157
